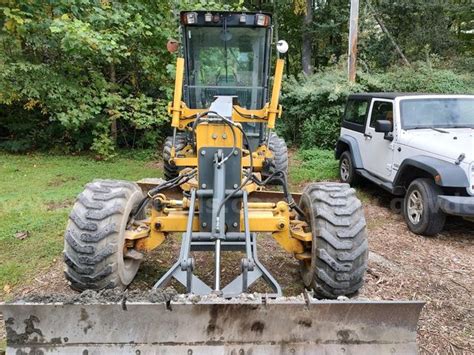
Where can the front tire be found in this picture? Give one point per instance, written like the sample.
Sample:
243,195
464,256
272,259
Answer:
94,243
347,171
279,149
279,162
339,251
421,209
170,170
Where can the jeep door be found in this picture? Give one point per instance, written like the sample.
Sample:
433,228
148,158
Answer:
377,148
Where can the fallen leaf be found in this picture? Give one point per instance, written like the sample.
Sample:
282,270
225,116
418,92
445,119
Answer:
22,235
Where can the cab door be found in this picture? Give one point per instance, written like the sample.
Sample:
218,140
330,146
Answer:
378,151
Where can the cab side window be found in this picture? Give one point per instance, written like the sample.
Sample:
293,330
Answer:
356,111
381,110
355,115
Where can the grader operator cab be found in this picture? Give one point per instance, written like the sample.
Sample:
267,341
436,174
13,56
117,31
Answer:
227,63
218,162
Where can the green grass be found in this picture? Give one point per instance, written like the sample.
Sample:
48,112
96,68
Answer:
314,165
36,194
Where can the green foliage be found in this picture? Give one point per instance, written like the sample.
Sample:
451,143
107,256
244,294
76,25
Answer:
95,74
313,106
314,165
103,144
210,5
419,27
86,64
421,77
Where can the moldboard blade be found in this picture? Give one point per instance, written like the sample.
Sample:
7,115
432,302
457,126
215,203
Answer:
214,326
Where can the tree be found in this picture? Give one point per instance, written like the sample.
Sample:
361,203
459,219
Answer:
89,65
307,45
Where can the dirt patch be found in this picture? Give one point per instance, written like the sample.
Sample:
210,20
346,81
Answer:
436,270
56,205
60,179
104,296
156,164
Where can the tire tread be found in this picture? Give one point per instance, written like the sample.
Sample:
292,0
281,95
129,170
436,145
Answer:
91,237
340,253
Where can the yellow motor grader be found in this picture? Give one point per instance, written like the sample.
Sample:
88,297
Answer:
218,163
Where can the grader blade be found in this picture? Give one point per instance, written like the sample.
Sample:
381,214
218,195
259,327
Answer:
215,326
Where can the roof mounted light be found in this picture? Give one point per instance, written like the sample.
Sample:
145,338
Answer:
190,18
262,20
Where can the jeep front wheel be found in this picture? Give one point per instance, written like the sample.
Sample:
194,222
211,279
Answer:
347,172
421,209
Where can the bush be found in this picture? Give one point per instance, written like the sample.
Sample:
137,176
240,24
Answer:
314,105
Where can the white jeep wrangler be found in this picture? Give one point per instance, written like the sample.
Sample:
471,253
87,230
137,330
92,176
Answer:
417,146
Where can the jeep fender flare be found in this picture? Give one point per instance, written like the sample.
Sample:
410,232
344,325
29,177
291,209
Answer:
450,175
351,142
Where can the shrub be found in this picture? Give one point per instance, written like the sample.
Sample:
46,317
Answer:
314,105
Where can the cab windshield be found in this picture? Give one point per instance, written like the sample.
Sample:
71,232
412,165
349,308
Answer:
226,61
437,113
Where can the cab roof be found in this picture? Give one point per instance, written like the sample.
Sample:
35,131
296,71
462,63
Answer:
232,18
382,95
391,95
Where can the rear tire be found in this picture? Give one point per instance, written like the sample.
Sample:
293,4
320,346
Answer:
170,170
95,236
347,171
279,162
421,209
339,251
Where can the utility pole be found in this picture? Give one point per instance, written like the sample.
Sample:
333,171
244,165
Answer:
353,32
307,47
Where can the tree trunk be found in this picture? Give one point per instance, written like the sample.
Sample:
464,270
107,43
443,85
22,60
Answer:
307,46
113,123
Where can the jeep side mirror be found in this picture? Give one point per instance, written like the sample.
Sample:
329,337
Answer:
383,126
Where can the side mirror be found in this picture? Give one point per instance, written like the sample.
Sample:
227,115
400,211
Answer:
383,126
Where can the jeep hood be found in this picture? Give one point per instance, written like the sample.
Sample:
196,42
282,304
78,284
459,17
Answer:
447,145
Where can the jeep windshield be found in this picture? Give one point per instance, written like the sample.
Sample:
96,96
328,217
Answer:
437,113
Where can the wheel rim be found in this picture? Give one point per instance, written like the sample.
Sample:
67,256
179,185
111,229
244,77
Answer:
345,170
130,257
415,207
